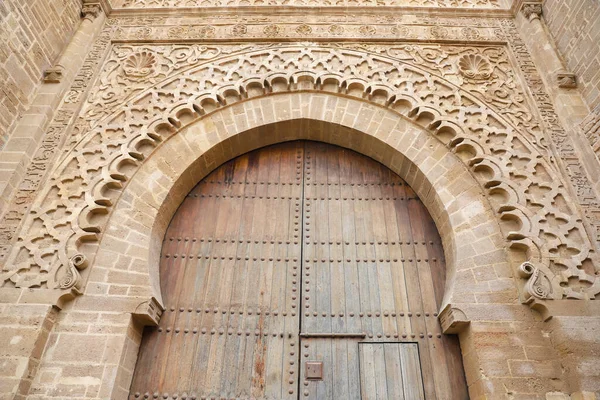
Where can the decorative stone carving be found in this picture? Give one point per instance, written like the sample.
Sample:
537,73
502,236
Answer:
140,66
304,29
272,30
240,30
53,75
475,66
487,122
538,285
566,80
562,141
367,30
45,155
90,11
396,27
532,11
320,3
591,129
336,30
72,278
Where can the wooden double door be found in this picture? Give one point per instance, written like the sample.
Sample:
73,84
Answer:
301,271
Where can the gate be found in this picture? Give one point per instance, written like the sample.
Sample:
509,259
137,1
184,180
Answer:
301,271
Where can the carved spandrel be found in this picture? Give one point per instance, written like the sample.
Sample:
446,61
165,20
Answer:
511,129
36,172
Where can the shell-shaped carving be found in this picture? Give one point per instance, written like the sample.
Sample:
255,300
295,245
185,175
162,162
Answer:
475,66
140,65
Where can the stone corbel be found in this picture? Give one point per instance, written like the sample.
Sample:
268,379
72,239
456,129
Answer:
91,11
566,80
54,74
149,312
532,11
453,320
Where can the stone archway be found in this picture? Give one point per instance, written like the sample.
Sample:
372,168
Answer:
451,194
128,254
295,252
507,158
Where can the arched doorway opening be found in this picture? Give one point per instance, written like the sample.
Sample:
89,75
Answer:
301,270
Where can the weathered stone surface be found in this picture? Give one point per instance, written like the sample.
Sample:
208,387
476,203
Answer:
34,33
475,112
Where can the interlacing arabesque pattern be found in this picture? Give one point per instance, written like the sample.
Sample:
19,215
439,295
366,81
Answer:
490,128
316,3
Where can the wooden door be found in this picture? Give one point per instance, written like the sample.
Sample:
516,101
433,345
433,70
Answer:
297,256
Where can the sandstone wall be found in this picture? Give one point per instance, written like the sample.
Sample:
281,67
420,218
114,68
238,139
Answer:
491,102
34,33
575,26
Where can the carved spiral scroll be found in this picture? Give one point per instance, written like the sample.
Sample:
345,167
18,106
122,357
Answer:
72,278
538,285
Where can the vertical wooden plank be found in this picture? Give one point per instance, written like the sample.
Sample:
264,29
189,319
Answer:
381,384
411,371
393,371
367,372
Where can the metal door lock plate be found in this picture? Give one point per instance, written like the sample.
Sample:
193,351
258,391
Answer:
313,370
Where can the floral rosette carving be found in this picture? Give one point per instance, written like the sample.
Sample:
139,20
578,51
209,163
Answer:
336,30
367,30
239,30
207,31
272,30
304,30
401,30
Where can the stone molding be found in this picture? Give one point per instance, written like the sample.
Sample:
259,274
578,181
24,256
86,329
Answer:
319,28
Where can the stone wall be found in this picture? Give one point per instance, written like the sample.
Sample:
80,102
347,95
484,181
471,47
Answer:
478,127
575,26
34,33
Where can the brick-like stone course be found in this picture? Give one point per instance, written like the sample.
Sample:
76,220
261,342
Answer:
24,333
575,26
33,34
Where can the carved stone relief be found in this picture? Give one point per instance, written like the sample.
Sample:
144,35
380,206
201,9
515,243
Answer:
46,154
317,3
561,141
591,129
532,11
91,10
469,96
566,80
53,75
336,26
